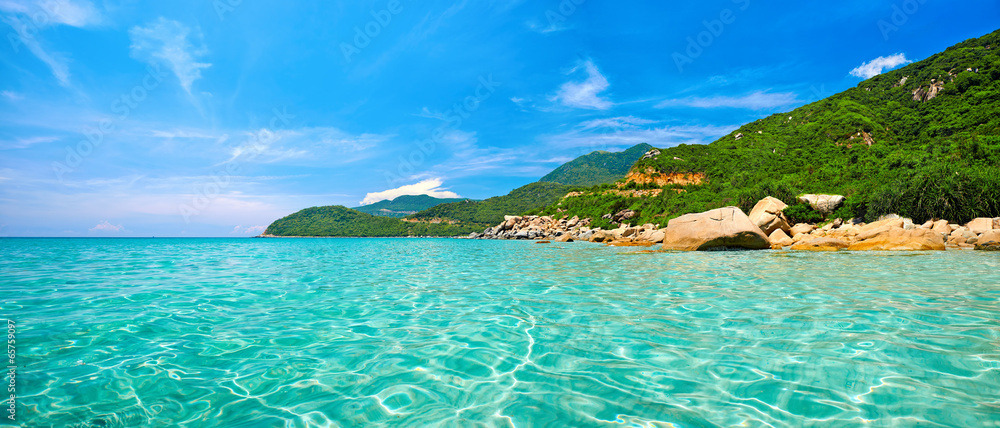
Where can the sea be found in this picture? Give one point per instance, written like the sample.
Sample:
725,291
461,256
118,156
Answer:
464,333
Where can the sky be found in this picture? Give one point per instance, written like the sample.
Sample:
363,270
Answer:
217,117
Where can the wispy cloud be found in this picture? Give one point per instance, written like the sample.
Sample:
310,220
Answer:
13,96
268,146
585,94
29,18
430,187
173,45
24,142
878,65
759,100
611,134
107,227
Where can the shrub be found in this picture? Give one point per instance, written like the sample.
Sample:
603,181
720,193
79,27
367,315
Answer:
802,213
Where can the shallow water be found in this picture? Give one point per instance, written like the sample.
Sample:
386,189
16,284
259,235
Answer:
436,332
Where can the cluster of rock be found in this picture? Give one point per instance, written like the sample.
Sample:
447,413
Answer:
765,228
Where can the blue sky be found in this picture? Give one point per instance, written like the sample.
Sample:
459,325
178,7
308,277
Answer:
216,117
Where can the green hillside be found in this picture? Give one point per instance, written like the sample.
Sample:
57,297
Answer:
597,168
489,212
342,221
404,205
888,145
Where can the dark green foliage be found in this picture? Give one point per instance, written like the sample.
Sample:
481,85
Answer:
404,205
802,213
342,221
597,168
937,158
490,212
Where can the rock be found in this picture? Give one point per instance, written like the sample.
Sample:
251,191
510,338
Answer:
825,204
802,228
837,223
780,239
543,242
564,238
898,239
723,228
768,217
928,225
821,244
980,225
657,236
989,241
623,215
632,231
600,236
585,236
996,223
942,226
522,234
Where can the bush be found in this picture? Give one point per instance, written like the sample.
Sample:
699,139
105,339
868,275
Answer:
802,213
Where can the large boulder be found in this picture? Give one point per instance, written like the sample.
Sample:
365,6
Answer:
719,229
821,244
657,236
989,241
802,228
601,236
768,217
779,239
888,238
980,225
825,204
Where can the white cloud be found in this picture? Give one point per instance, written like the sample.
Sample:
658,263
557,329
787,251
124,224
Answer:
168,43
610,135
21,143
616,122
249,230
430,187
878,65
105,226
760,100
585,94
13,96
29,18
267,146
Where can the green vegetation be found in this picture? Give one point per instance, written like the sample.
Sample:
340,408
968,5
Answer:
597,168
404,205
342,221
876,144
490,212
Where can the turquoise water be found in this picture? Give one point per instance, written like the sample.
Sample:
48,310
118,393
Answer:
433,332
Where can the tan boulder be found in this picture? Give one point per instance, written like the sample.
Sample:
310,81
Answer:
898,239
601,236
821,244
989,241
564,238
980,225
802,228
825,204
768,217
722,228
942,226
780,239
657,236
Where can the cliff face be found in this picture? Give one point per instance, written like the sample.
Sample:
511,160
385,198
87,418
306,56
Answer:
652,176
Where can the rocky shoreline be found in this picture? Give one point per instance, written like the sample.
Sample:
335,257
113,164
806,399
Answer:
766,227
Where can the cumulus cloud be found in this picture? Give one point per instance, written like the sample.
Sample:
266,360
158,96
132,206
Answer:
430,187
106,226
585,94
878,65
249,230
760,100
173,45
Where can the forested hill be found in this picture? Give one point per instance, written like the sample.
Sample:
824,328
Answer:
597,168
404,205
921,141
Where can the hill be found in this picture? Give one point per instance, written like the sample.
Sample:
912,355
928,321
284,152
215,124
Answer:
342,221
597,168
921,141
404,205
491,211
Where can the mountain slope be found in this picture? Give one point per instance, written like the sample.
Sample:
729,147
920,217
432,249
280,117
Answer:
597,168
488,212
922,141
404,205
